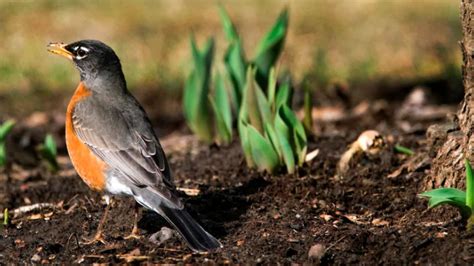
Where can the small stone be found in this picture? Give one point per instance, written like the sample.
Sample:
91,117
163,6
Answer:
161,236
317,251
36,258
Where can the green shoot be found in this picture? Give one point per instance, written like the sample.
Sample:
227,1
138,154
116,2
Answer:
402,149
49,152
222,112
270,47
196,106
5,129
469,185
464,201
5,217
270,137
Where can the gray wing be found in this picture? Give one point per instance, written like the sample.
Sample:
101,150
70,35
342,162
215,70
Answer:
126,144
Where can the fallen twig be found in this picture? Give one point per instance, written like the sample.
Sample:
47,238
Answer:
133,258
29,208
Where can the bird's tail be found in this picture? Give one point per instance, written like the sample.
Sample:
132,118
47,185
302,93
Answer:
197,238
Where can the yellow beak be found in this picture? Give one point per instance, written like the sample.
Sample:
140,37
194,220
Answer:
58,48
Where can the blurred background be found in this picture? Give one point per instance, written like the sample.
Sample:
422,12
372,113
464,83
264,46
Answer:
379,47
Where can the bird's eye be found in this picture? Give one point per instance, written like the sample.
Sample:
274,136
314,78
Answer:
81,52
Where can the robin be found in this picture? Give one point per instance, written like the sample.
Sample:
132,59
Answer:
112,144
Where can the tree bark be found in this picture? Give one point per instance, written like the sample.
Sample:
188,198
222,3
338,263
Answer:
453,142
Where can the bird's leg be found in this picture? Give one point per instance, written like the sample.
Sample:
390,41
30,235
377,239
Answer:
99,237
135,234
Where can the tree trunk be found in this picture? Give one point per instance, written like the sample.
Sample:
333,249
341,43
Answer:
453,142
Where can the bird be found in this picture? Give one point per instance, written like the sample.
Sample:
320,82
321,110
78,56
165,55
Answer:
113,147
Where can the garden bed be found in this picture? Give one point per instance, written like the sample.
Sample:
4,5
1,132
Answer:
371,215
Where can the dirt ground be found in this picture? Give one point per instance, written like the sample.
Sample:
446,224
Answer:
371,215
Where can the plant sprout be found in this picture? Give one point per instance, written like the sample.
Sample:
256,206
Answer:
5,217
464,201
270,134
5,129
49,152
402,149
208,100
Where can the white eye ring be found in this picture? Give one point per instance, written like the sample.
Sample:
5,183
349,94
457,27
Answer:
83,52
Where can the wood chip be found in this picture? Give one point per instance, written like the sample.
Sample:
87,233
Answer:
310,156
380,222
189,191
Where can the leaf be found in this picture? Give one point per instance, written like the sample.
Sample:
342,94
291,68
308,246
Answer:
298,140
3,154
190,98
283,95
270,47
229,27
244,140
236,65
196,102
469,185
283,134
451,193
272,80
300,147
263,153
5,128
222,111
273,137
450,196
263,106
49,152
250,102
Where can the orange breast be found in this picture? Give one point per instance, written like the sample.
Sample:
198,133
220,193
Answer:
89,167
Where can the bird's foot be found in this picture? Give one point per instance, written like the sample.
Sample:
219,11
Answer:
135,234
99,237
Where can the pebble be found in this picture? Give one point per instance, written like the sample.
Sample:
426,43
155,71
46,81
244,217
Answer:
317,251
161,236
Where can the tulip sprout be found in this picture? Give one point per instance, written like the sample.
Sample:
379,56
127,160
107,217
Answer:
208,111
464,201
270,133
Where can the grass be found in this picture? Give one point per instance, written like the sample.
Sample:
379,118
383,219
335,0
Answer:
360,39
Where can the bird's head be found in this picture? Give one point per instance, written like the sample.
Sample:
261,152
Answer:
92,58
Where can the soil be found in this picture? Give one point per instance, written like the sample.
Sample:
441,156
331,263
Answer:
371,215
